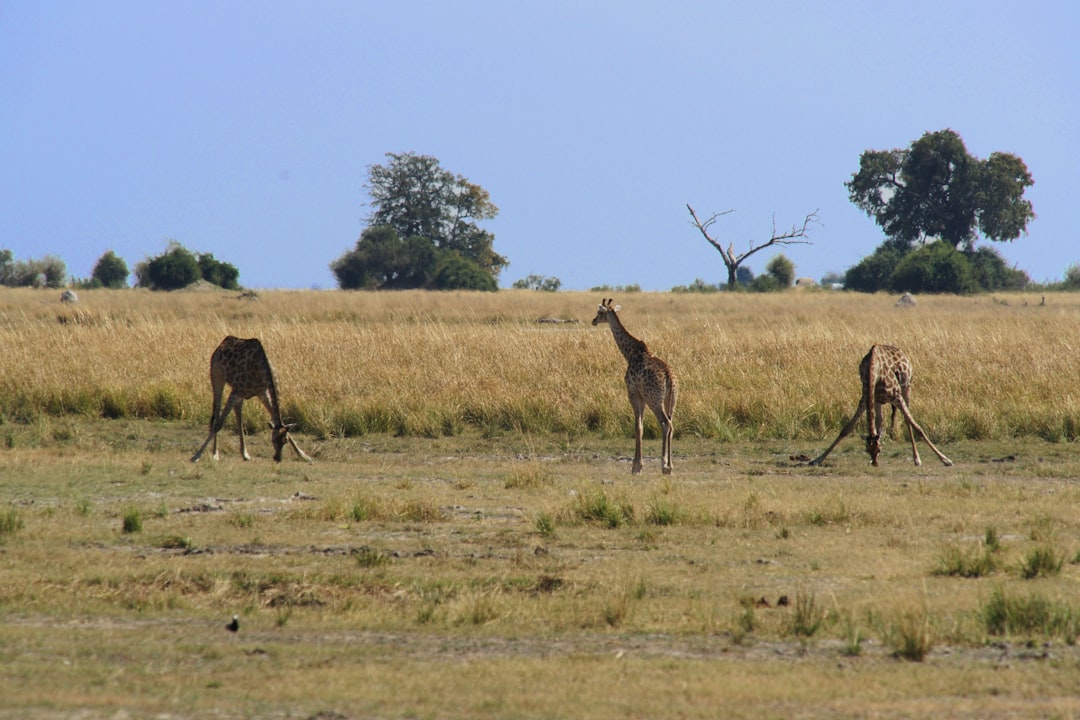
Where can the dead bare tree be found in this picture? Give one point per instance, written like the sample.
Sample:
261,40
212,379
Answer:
795,236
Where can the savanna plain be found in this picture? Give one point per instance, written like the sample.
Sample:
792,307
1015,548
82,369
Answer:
469,541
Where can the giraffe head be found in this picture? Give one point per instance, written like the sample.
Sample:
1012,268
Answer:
279,435
603,310
873,448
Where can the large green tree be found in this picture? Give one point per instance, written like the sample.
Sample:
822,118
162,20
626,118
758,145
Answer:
433,215
936,189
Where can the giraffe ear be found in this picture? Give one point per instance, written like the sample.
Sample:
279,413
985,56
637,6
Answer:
617,308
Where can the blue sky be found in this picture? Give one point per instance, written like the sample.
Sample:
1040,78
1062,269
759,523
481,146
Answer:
246,129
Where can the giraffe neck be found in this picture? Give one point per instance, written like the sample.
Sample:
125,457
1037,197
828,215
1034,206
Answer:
631,348
271,390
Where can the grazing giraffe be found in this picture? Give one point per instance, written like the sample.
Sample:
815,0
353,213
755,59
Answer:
886,379
649,381
243,365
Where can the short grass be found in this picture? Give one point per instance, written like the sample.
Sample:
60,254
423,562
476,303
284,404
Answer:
470,541
407,577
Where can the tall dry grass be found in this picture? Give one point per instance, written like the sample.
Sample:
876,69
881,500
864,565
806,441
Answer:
431,364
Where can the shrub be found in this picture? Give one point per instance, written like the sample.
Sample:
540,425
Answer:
49,271
782,269
872,272
176,268
110,271
934,268
219,273
454,272
537,282
633,287
765,283
990,272
698,286
132,522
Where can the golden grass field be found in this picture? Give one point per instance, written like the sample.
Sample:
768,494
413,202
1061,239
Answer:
469,541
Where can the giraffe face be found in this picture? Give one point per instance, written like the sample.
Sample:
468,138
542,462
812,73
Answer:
279,435
603,310
873,448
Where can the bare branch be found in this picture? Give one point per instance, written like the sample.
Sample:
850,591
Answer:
788,238
704,228
795,236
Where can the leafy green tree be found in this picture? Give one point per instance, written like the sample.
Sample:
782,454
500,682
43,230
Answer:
418,199
1072,277
222,274
991,273
936,189
782,269
454,272
110,271
382,259
175,268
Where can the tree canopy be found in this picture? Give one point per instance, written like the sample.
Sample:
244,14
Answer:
110,271
422,231
936,189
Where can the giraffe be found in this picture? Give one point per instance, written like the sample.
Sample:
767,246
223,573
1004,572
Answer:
242,363
649,382
886,379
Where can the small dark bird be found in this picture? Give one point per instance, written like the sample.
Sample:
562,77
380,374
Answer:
234,625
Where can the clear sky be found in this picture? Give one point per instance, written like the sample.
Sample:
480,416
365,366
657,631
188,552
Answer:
245,128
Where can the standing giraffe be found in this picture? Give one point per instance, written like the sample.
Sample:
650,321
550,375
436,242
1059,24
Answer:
886,379
649,381
244,366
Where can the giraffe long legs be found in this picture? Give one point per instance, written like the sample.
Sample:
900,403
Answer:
843,433
238,410
913,428
639,427
217,421
667,431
